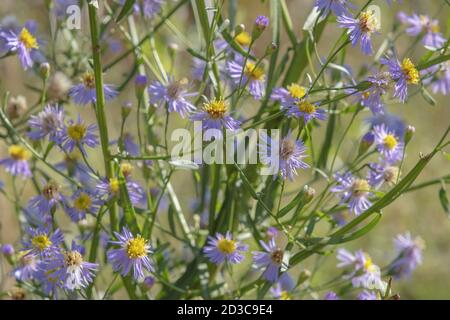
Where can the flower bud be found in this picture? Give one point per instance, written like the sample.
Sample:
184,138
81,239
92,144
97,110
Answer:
149,282
409,133
173,48
126,109
239,29
309,193
260,25
366,143
7,250
272,232
44,70
140,83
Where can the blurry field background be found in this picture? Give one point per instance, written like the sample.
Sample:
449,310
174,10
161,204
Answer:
419,212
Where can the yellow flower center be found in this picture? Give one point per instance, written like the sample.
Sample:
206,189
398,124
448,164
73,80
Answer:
41,242
285,296
114,185
76,131
410,71
243,38
226,246
306,107
73,258
368,265
88,80
126,169
296,91
18,153
277,256
254,72
366,94
390,141
434,27
136,248
368,22
83,202
216,108
28,40
360,187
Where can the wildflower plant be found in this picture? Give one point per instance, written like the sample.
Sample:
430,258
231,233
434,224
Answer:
323,155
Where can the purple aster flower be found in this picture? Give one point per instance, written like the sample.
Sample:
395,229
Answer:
133,253
289,95
360,28
17,161
339,7
372,96
42,242
390,120
84,92
7,249
261,23
83,202
306,110
48,199
409,255
224,248
331,295
214,116
24,43
272,232
368,295
289,157
174,94
354,191
382,173
283,287
403,74
27,266
80,135
388,143
70,269
150,8
110,188
48,122
418,24
250,74
270,261
439,79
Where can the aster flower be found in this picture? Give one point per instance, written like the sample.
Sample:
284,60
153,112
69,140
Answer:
17,161
133,253
84,202
48,199
388,143
403,74
150,8
360,29
354,191
27,266
372,96
382,173
338,7
283,288
250,74
42,242
269,260
70,269
174,94
80,135
48,122
289,95
110,188
409,255
368,295
440,79
24,43
331,295
422,24
85,93
306,110
224,248
289,157
214,116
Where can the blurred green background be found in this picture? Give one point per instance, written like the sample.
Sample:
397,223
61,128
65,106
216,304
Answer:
417,212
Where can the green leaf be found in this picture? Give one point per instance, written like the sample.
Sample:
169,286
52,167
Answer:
427,96
126,9
443,198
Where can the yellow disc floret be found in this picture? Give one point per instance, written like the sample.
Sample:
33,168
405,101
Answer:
243,38
368,22
83,202
306,107
136,248
296,91
254,72
41,242
360,187
410,71
76,131
216,108
390,141
114,185
28,40
18,153
226,246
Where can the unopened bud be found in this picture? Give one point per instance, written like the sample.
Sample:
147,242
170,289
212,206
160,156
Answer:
7,250
409,133
140,83
239,29
44,70
173,48
149,282
126,109
260,25
309,193
366,142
